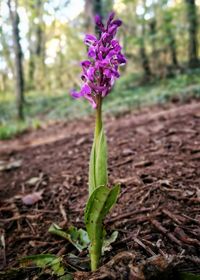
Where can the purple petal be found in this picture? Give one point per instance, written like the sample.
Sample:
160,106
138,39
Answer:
116,45
105,92
91,100
90,39
121,58
85,89
99,23
97,88
90,73
92,52
117,22
112,30
115,73
111,54
107,73
76,94
110,18
102,63
85,63
107,38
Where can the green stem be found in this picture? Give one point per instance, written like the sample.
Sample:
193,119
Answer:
96,245
95,253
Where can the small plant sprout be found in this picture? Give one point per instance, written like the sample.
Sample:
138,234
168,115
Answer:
99,74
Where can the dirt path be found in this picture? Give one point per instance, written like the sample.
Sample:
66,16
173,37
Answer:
155,154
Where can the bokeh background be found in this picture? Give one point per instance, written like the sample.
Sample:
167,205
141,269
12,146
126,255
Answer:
41,46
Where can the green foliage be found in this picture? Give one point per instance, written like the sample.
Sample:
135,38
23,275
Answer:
100,202
12,129
127,94
47,261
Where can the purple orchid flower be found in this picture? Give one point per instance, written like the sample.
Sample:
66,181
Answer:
105,57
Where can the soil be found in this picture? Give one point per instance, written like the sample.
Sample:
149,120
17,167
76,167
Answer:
154,153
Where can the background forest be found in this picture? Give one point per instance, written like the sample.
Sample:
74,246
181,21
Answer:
41,45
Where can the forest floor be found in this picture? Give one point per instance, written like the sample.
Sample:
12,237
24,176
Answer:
154,153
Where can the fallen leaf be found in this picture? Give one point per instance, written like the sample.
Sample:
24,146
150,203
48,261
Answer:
4,166
32,198
33,181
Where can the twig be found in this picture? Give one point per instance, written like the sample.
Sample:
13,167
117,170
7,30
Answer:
172,216
184,238
129,214
18,217
139,242
63,213
164,231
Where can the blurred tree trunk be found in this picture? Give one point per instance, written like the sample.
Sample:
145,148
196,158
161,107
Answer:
170,38
193,30
19,75
172,48
143,54
89,12
144,60
36,43
153,33
40,45
31,63
91,9
39,31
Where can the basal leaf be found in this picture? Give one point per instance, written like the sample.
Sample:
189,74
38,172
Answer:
98,205
46,261
108,241
77,237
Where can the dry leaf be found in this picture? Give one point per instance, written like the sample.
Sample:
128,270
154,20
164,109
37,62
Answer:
32,198
33,181
4,166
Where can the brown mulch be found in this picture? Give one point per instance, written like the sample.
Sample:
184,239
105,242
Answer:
153,153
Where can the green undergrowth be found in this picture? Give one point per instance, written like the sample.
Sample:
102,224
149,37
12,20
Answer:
127,95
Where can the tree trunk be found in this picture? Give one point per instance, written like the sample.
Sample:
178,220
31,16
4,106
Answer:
19,76
39,31
193,30
153,32
145,60
143,54
92,8
172,48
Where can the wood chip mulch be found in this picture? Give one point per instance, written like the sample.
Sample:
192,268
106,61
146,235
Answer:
153,153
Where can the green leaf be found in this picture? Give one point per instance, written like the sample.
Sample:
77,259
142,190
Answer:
98,206
101,161
108,241
77,237
47,261
98,175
